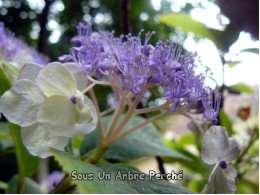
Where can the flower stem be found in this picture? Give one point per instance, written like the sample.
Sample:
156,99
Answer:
88,88
100,125
103,113
152,109
195,121
99,82
119,109
128,115
120,136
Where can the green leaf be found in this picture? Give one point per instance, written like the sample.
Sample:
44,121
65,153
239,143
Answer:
187,139
251,50
4,127
231,64
197,185
143,142
111,186
12,68
187,24
27,164
225,122
30,186
5,84
247,187
242,88
224,39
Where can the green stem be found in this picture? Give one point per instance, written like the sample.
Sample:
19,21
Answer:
195,121
85,156
100,150
252,140
20,186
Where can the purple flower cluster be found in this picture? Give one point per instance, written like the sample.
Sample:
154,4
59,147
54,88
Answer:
133,65
10,47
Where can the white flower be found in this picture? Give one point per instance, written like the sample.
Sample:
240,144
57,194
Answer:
220,150
48,104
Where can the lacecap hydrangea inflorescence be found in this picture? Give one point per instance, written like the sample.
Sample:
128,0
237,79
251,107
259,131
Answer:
133,65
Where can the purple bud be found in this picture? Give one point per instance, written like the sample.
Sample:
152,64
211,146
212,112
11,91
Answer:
223,164
73,99
146,50
76,41
65,58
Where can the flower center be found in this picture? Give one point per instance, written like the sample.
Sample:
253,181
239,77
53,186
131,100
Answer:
73,99
223,164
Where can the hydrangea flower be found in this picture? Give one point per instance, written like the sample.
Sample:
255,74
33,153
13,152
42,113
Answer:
49,105
132,65
17,52
219,149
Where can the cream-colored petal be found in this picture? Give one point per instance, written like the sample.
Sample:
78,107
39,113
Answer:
56,79
60,115
233,150
79,75
209,188
225,180
214,145
22,57
21,103
63,118
80,100
87,124
37,139
30,71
